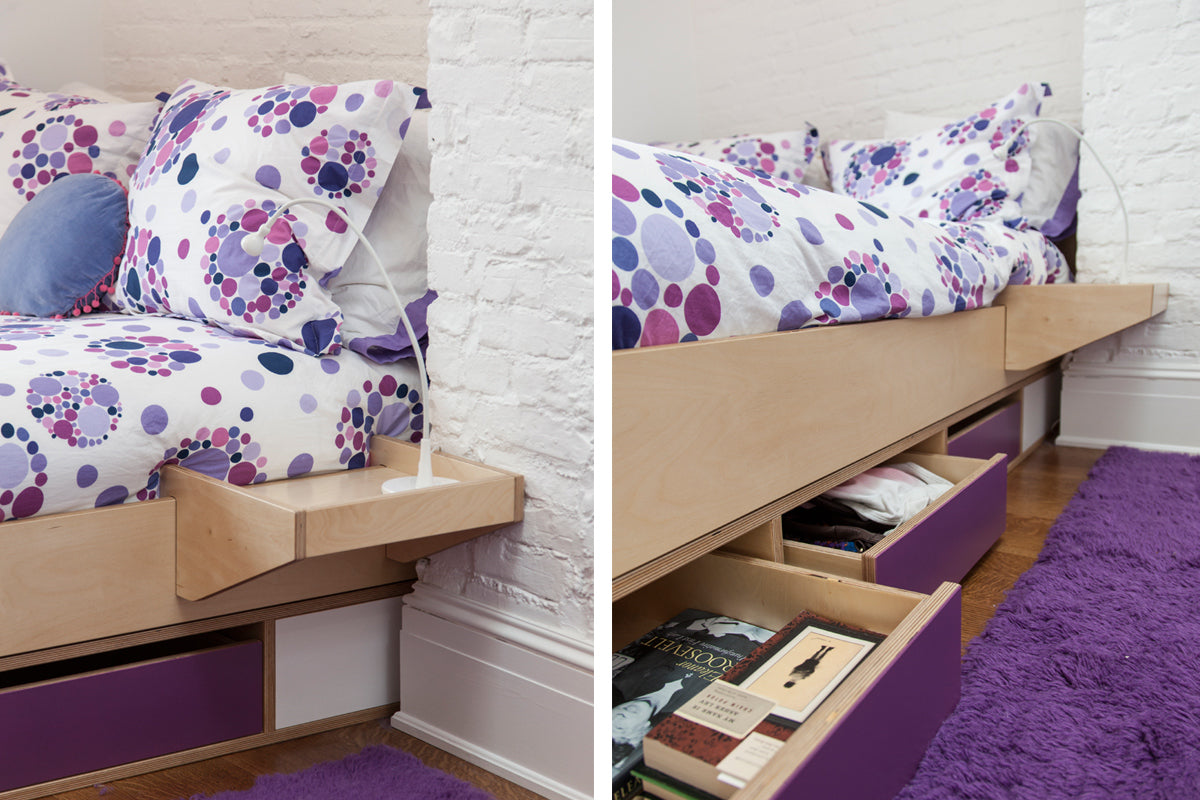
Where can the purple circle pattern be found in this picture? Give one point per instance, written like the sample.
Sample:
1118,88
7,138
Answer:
146,287
977,194
14,331
79,408
365,414
145,355
757,153
732,200
54,146
875,166
224,453
254,288
863,287
22,473
175,126
961,274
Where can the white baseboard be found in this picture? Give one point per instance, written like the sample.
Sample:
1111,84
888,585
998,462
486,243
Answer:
1138,405
499,692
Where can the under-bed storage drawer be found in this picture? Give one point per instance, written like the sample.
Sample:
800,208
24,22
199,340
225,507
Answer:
86,714
905,687
941,543
996,430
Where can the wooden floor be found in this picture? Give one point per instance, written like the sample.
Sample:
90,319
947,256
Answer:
238,770
1038,489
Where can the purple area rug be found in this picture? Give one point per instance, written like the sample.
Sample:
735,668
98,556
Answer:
377,773
1086,683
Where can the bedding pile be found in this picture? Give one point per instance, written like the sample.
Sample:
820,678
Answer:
716,245
136,332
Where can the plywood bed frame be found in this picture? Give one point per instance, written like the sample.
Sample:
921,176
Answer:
209,557
713,439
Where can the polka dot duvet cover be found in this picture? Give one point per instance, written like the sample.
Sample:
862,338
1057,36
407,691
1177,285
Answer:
703,249
92,408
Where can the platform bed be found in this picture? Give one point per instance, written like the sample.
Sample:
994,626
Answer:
796,412
97,615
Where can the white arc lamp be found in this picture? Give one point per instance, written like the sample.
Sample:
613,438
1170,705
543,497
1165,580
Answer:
1002,152
253,245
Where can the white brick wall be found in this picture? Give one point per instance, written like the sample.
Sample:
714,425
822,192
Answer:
1142,114
153,46
698,68
510,253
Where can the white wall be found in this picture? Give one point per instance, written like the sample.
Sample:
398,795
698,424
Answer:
701,68
1141,69
1141,65
152,46
31,31
510,251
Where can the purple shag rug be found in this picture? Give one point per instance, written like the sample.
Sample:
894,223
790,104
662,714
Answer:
377,773
1086,683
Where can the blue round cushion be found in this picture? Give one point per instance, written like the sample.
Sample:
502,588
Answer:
60,253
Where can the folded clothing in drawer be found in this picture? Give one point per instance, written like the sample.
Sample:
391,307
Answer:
939,543
127,706
92,408
859,512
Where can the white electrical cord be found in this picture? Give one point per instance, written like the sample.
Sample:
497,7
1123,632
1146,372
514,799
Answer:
1002,152
253,245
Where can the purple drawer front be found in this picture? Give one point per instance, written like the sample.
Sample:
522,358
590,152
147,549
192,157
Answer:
951,539
77,725
997,434
906,706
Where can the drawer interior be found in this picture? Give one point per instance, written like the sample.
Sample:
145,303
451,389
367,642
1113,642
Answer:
761,593
956,469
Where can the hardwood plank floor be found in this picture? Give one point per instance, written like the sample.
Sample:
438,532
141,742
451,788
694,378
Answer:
1038,490
238,771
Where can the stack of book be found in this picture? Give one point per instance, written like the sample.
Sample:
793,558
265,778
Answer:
660,671
716,740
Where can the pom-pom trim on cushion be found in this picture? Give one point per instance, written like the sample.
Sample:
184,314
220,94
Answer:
29,234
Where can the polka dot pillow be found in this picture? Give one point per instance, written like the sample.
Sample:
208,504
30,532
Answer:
780,155
960,172
44,136
218,162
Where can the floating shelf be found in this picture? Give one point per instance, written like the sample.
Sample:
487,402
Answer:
226,534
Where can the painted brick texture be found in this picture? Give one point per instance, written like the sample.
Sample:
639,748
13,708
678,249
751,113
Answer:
1142,114
153,46
709,68
510,253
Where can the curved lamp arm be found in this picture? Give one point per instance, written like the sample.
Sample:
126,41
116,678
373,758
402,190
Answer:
253,245
1002,152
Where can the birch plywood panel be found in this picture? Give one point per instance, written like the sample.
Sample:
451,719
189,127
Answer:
704,433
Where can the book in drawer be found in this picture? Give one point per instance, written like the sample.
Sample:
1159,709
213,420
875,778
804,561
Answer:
148,704
939,544
905,687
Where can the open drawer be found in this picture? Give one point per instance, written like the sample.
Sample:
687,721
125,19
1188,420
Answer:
939,544
905,687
